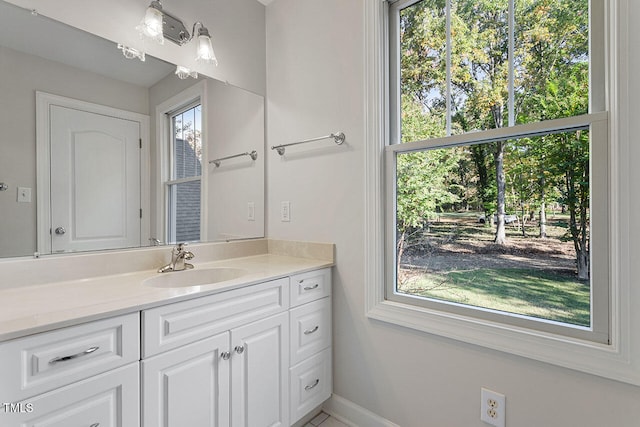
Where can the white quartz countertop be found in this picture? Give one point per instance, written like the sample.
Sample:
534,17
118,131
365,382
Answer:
25,310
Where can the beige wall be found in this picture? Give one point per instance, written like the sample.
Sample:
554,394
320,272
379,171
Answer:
315,81
21,75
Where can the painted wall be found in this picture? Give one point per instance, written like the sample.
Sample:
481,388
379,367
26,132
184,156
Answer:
236,27
21,75
315,85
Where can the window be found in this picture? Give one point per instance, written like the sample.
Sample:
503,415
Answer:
185,165
496,169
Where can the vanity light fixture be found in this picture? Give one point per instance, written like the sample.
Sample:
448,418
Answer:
158,25
184,72
131,53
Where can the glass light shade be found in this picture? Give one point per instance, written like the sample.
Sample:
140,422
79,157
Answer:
151,25
184,72
205,50
131,53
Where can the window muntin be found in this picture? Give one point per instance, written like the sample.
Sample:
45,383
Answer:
184,185
428,112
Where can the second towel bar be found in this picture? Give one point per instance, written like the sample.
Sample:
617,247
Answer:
338,138
253,154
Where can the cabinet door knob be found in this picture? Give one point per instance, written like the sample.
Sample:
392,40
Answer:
225,355
60,231
239,349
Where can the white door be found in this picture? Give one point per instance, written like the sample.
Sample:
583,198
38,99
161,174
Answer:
260,373
95,181
188,386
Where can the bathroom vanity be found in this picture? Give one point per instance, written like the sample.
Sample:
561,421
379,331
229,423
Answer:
254,350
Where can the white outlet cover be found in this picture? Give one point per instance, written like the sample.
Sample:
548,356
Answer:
492,407
285,211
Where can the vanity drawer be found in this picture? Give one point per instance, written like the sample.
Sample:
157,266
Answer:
310,384
307,287
310,329
42,362
174,325
111,399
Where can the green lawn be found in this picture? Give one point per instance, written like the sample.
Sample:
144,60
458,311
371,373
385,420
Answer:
529,292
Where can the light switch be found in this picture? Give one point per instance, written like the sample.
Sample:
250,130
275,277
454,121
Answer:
24,195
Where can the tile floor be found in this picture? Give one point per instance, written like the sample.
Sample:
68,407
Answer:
324,420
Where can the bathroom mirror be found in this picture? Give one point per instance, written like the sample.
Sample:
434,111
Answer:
49,70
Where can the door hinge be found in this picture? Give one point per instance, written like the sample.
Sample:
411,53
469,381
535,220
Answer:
140,213
140,143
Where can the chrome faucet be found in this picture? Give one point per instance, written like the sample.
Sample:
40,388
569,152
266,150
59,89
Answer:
178,257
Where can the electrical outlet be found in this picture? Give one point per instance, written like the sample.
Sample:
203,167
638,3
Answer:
285,211
492,407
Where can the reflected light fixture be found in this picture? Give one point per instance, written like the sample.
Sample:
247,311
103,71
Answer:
158,25
131,53
184,72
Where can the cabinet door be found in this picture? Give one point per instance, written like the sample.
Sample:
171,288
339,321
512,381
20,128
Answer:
259,364
107,400
188,386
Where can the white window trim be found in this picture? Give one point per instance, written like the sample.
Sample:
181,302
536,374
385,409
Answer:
620,360
197,91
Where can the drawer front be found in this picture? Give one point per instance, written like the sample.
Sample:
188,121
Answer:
310,384
111,399
42,362
307,287
310,327
174,325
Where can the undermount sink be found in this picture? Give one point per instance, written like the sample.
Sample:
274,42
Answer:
195,277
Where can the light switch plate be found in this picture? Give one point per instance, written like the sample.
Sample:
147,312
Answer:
24,195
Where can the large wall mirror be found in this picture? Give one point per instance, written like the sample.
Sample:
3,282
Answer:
73,173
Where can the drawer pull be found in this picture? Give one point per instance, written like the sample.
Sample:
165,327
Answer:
312,386
73,356
239,349
312,330
310,288
225,355
95,425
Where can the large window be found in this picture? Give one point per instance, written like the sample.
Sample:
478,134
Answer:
497,164
185,166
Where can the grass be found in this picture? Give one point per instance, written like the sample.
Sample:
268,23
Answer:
535,293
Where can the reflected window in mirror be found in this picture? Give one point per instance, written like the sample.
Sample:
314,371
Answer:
185,181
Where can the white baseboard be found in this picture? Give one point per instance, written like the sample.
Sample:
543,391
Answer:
353,415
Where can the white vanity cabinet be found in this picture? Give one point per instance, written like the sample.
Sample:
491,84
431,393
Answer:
228,359
310,374
85,375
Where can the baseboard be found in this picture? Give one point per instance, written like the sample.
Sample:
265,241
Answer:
353,415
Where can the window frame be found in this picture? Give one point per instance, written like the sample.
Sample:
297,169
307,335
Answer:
620,358
188,97
172,182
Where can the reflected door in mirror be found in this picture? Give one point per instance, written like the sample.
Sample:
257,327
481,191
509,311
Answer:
95,181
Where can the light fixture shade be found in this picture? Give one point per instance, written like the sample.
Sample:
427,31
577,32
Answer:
205,51
151,25
184,72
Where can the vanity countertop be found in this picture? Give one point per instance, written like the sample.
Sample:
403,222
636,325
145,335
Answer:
25,310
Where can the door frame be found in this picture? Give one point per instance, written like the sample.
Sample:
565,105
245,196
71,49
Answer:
44,102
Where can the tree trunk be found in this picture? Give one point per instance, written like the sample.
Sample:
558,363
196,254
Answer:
582,259
543,220
501,237
399,250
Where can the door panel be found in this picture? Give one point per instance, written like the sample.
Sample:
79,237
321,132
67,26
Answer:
260,372
188,386
95,181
